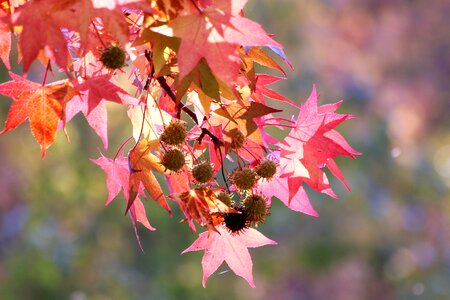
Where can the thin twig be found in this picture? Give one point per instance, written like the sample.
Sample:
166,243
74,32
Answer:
48,68
180,106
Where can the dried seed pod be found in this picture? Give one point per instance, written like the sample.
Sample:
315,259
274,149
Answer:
244,179
113,57
174,134
173,160
256,208
237,138
202,172
225,198
266,169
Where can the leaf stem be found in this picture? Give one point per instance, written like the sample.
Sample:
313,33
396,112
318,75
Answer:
163,83
222,169
98,35
46,72
121,146
180,106
197,7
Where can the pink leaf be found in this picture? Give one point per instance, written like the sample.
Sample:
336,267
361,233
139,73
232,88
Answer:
223,246
310,145
215,34
117,179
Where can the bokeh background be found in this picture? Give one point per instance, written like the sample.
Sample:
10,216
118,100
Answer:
387,239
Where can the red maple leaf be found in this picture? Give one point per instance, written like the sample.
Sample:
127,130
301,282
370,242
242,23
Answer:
215,34
42,105
114,22
42,22
261,90
97,118
223,246
5,42
311,145
94,91
99,88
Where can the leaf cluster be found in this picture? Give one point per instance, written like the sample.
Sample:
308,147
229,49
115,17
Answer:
197,106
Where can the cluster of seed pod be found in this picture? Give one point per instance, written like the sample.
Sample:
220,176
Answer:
173,158
172,137
253,208
245,178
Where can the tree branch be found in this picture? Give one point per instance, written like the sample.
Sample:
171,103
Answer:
180,106
163,83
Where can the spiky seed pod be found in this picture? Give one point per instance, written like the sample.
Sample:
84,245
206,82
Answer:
244,179
173,160
113,57
225,198
202,172
237,138
174,134
235,222
256,208
266,169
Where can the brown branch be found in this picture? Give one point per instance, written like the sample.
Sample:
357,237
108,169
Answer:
180,106
163,83
197,7
214,139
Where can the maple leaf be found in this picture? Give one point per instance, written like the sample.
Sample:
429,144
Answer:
292,196
256,54
242,117
142,163
215,34
261,90
97,118
100,88
117,176
112,4
73,14
223,246
42,105
178,182
154,119
42,22
5,42
170,7
117,179
115,23
94,91
200,204
309,146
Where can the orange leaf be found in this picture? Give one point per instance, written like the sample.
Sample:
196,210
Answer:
43,105
201,205
142,163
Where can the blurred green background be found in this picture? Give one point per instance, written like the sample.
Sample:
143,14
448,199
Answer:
387,239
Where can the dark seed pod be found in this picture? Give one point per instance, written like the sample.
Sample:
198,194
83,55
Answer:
174,133
235,222
202,172
113,57
256,208
173,160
